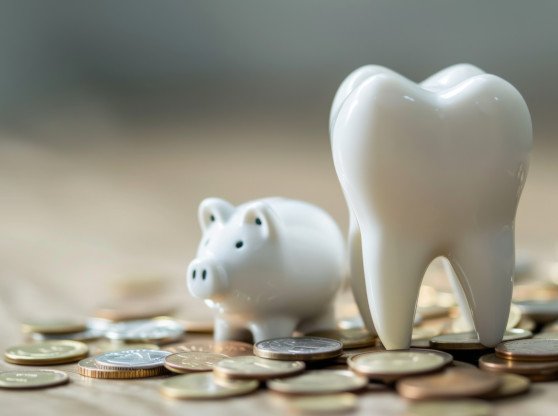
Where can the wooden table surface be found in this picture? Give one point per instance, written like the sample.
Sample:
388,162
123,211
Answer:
74,219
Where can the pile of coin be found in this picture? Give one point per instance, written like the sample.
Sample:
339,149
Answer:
323,370
536,359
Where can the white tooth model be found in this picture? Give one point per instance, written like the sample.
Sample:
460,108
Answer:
269,267
430,169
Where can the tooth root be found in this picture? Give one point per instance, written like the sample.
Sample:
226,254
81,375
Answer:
484,264
394,266
358,281
465,318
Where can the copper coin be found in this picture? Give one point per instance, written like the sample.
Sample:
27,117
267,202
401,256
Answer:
512,385
470,340
453,382
228,348
541,370
529,350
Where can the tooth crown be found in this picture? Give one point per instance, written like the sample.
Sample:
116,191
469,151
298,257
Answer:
432,169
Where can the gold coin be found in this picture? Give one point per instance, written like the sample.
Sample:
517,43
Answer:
131,310
351,338
529,350
199,327
47,352
107,346
534,370
392,365
32,379
468,407
332,403
228,348
62,326
185,362
319,382
256,368
89,368
470,340
452,382
203,386
299,348
512,385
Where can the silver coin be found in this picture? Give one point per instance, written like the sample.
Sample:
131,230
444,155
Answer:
299,348
542,311
148,330
132,359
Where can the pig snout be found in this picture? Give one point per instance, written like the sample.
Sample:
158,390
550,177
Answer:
206,278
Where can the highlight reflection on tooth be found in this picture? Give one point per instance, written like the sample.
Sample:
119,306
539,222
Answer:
430,169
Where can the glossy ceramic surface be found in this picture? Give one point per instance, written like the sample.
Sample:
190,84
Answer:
269,266
430,169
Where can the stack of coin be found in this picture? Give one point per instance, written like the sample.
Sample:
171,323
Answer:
124,364
299,348
536,359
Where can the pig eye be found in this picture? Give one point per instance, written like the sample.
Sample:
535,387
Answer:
258,221
239,244
212,218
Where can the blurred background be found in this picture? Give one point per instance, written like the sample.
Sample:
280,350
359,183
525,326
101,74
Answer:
118,118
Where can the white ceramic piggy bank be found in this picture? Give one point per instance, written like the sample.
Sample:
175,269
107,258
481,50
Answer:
269,266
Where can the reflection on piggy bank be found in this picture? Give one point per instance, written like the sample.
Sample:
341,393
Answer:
269,267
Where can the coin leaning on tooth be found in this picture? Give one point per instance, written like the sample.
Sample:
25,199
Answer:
412,160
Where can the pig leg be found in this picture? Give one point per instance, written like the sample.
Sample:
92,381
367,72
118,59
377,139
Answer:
322,321
272,327
224,331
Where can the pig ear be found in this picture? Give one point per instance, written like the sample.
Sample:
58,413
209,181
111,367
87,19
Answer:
214,210
263,216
